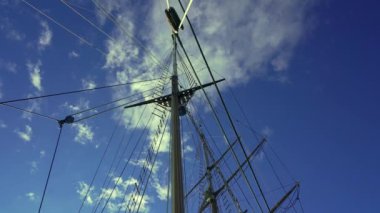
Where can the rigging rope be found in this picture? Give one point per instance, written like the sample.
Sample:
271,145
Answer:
207,154
202,123
137,41
130,156
50,169
98,167
223,131
76,91
107,183
107,110
222,101
125,166
65,2
152,166
255,133
113,101
30,112
64,27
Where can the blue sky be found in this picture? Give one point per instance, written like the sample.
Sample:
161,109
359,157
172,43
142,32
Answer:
304,71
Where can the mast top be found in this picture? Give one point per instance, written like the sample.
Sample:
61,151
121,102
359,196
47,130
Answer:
173,19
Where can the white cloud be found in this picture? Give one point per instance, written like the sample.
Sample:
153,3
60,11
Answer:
88,84
31,196
111,193
82,104
161,190
42,153
124,184
35,74
74,54
46,36
84,133
25,135
165,143
118,198
255,39
82,191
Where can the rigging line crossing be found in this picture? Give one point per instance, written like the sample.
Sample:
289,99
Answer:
107,180
159,92
95,208
224,105
186,71
222,159
64,27
198,162
65,2
99,164
126,164
107,110
51,167
220,124
232,125
150,152
148,159
113,101
152,166
208,154
31,112
273,170
138,156
76,91
79,6
254,132
138,42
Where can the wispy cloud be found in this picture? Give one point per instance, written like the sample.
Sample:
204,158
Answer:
81,104
35,74
2,124
31,196
15,35
82,191
8,66
118,199
46,36
34,105
25,135
88,84
267,131
42,153
9,30
84,133
33,167
74,54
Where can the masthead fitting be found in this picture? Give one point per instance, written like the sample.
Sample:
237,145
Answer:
173,19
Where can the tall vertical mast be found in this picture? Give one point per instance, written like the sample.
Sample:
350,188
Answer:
176,152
